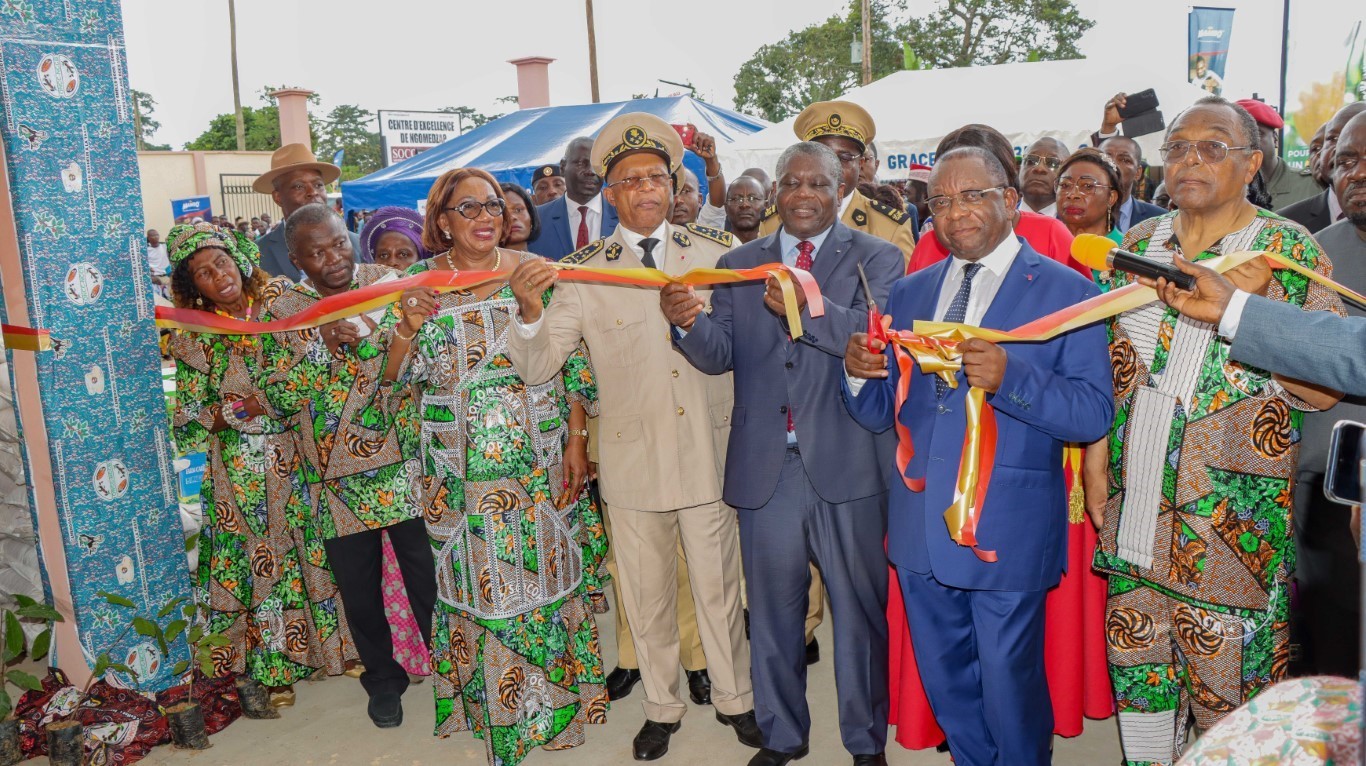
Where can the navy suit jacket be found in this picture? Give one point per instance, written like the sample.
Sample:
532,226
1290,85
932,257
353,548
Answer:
1143,211
556,240
773,373
1312,213
1053,392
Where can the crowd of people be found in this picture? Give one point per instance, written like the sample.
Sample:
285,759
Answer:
522,443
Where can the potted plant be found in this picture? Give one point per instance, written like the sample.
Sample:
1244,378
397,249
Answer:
13,646
254,697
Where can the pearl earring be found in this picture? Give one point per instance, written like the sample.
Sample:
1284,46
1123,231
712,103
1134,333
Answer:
446,233
199,301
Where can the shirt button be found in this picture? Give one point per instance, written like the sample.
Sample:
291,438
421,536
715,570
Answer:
680,411
943,409
675,373
618,321
618,434
788,365
783,409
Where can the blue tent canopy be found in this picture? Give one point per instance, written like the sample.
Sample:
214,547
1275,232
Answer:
513,146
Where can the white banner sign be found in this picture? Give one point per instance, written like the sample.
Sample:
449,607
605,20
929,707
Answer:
407,134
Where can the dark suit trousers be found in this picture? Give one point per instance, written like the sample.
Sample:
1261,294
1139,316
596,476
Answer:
357,565
980,654
845,541
1327,620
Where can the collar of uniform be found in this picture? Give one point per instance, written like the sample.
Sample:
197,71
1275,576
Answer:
997,261
788,243
594,205
633,240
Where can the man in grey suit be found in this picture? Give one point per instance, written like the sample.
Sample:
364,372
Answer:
805,478
296,178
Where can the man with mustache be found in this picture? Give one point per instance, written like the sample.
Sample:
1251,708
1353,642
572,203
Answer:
1039,175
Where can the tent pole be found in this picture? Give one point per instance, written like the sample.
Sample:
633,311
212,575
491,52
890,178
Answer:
592,50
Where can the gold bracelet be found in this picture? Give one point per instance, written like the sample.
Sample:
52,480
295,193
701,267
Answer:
403,337
578,432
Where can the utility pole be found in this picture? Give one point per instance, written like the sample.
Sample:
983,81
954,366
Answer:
592,51
236,90
867,41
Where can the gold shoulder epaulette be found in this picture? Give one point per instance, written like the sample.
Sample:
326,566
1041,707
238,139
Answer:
719,236
896,215
770,212
585,252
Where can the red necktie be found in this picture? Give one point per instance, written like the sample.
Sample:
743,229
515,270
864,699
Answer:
582,240
804,251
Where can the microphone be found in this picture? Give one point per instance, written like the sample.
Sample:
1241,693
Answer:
1100,254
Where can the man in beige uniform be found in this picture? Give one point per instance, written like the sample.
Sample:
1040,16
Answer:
662,432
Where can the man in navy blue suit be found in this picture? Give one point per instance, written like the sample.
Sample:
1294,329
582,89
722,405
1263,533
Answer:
579,217
806,480
978,624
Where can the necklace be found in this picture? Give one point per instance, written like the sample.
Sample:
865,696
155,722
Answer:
497,261
247,318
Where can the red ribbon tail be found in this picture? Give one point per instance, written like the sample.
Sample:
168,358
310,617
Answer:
905,449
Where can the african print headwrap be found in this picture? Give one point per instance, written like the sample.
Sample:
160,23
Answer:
185,239
389,218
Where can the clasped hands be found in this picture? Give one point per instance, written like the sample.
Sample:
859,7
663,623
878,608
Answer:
984,362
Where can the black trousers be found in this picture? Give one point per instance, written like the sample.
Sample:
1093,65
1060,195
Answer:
1327,624
357,565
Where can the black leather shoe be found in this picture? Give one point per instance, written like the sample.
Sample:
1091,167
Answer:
942,747
746,728
813,652
699,686
652,741
870,760
768,757
621,681
386,710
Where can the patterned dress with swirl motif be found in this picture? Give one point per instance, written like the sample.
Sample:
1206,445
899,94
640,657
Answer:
262,568
1197,536
515,649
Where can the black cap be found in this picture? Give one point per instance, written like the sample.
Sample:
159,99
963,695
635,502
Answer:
545,171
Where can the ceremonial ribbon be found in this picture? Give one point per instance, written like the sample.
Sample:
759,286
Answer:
934,347
366,299
22,338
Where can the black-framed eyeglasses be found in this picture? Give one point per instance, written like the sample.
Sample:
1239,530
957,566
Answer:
1034,160
1206,151
1085,186
631,183
470,210
741,199
941,204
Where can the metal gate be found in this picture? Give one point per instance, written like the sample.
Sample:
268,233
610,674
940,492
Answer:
241,201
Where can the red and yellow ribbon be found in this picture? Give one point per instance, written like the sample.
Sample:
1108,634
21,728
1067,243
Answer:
366,299
934,347
22,338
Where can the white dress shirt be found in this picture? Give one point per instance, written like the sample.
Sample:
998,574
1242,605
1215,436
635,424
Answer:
1334,207
1050,210
594,218
1233,314
984,285
158,260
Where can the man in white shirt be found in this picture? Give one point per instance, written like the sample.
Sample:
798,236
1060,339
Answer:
157,258
1039,175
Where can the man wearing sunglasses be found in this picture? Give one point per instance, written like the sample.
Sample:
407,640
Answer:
1039,175
1198,470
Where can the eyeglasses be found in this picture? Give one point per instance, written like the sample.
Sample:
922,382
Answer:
470,210
970,198
1034,160
848,157
1206,151
1085,186
741,199
631,183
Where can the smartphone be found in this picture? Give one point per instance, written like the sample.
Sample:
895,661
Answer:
1342,482
1143,124
1138,103
687,133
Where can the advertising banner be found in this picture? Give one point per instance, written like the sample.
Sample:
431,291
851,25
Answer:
1207,47
407,134
1324,73
190,208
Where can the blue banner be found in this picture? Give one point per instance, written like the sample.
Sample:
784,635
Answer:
190,208
1210,29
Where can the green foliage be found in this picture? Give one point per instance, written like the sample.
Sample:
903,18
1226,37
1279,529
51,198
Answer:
144,106
12,646
813,64
348,128
262,126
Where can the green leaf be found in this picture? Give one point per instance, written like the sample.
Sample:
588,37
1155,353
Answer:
14,637
116,599
6,705
180,668
191,542
40,612
206,667
217,639
174,629
25,681
102,664
170,607
41,643
121,668
145,627
23,600
196,633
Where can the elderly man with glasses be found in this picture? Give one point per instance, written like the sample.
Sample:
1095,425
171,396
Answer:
1198,471
1039,175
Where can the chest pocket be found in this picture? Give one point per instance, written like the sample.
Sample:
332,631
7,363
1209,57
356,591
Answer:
621,328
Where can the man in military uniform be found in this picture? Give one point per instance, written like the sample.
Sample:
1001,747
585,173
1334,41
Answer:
663,429
547,184
848,129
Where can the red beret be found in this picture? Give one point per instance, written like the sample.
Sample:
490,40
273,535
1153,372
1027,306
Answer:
1262,113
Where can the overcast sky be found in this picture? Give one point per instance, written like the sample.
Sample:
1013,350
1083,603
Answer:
406,54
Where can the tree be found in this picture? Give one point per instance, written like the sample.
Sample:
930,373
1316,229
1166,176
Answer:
144,106
814,64
347,128
980,32
262,126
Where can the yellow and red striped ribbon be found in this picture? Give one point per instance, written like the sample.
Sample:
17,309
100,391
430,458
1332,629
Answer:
22,338
366,299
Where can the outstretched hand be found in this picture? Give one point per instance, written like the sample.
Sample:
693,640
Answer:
1206,302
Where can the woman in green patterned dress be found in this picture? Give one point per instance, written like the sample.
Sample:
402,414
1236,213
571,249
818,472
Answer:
262,570
518,542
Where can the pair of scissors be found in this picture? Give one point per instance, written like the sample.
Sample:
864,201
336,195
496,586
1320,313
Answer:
875,328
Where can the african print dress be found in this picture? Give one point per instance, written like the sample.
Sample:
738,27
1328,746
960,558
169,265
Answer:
1197,534
515,651
262,569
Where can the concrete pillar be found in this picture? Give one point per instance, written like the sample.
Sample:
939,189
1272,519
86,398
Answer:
293,104
533,81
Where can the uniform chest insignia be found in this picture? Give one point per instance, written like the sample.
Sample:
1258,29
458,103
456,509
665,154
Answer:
770,212
719,236
613,251
681,239
860,218
586,252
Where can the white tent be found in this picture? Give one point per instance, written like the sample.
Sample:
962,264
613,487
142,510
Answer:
1027,101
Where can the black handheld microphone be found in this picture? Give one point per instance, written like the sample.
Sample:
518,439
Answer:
1100,254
